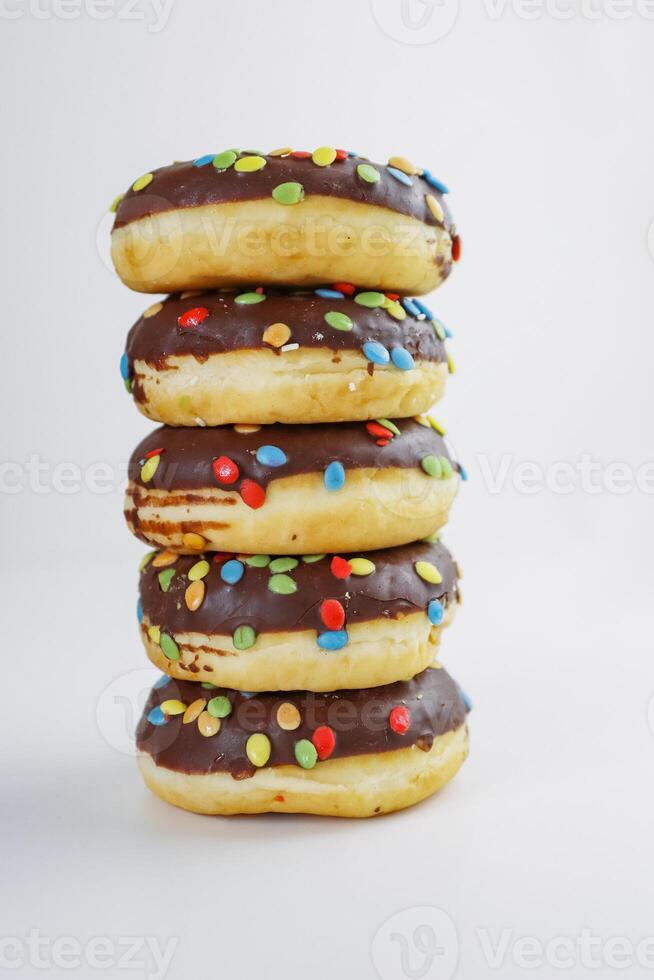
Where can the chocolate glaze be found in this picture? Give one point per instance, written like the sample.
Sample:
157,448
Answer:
358,718
392,590
188,452
181,185
232,326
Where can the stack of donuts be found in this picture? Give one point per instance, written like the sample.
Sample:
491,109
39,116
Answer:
295,490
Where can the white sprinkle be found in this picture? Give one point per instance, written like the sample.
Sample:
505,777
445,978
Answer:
200,422
352,386
288,347
318,336
421,316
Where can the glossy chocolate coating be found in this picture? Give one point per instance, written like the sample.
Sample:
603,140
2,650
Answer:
183,185
188,453
392,590
232,326
359,719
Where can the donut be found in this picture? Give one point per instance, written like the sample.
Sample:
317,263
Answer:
262,356
355,753
317,623
290,489
288,216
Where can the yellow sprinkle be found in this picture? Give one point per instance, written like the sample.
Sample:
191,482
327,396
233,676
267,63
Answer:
189,293
248,165
435,666
173,707
288,717
428,572
194,710
246,430
198,571
258,749
324,156
154,632
152,310
450,363
277,334
194,542
149,468
164,558
437,427
422,420
401,163
142,182
395,309
208,725
283,152
434,207
194,595
362,566
114,204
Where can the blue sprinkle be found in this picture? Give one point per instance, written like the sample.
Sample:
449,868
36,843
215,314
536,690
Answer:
248,694
333,640
424,309
376,353
463,473
438,184
124,367
329,293
435,612
334,476
163,680
410,306
351,153
232,571
203,161
402,359
157,717
401,176
448,332
464,697
271,456
139,611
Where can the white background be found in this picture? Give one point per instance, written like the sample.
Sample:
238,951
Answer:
543,129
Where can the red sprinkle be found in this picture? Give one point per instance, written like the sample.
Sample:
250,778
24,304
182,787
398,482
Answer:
393,296
341,154
332,614
279,798
344,287
225,470
154,452
456,248
340,567
324,741
252,494
399,719
383,442
221,556
379,431
300,154
259,290
193,318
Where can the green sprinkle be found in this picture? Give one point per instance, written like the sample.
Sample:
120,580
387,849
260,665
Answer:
389,425
168,647
289,193
432,466
371,300
249,299
146,559
368,173
312,559
305,753
258,561
244,637
223,161
165,578
339,321
219,707
446,467
439,329
283,564
432,538
129,384
282,585
208,686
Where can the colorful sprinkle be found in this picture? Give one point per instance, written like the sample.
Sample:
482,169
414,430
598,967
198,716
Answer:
399,719
362,566
404,165
431,465
402,359
370,299
426,312
277,334
113,207
465,698
288,193
203,161
198,571
379,431
147,558
219,707
368,173
163,681
193,541
124,366
439,329
332,614
401,176
340,568
463,473
225,470
283,152
375,352
152,310
323,156
157,717
324,741
154,633
142,182
344,287
438,184
139,611
232,571
252,494
435,612
288,717
244,637
245,429
456,248
193,317
149,468
208,725
249,299
333,640
446,467
271,456
282,585
312,559
305,753
194,595
285,564
223,161
395,309
165,578
410,306
334,476
173,707
428,572
389,425
249,165
258,749
194,711
339,321
168,646
329,294
258,561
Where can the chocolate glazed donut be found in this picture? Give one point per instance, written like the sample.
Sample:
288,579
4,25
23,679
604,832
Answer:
286,217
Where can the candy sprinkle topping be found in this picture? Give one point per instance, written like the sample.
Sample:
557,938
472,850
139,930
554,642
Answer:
401,176
435,612
193,317
219,707
305,753
282,585
370,299
324,741
288,193
277,334
334,476
402,359
288,717
375,353
168,646
399,719
232,571
368,173
225,470
333,640
252,494
249,165
428,572
249,299
271,456
258,749
339,321
323,156
362,566
194,595
244,637
141,182
284,564
223,161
